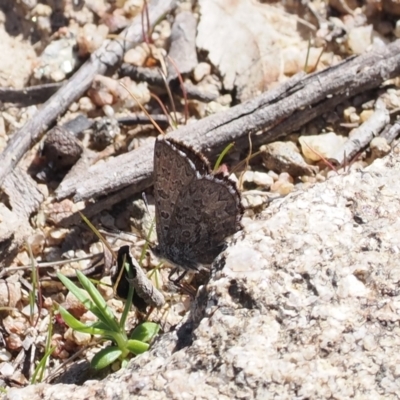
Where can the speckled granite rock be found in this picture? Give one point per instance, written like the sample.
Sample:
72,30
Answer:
304,304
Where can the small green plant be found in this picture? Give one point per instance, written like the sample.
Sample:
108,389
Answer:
48,350
107,326
41,367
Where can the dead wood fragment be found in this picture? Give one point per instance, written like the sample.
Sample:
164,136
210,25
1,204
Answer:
155,81
14,230
392,132
144,288
362,136
267,117
78,124
29,96
98,266
141,119
25,198
81,166
101,204
108,55
23,193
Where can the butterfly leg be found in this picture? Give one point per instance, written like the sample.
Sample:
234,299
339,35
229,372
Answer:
179,278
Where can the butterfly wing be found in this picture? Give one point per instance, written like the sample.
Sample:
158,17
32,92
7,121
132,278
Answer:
206,213
175,166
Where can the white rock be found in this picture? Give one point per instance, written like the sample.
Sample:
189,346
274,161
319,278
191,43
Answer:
262,179
360,39
379,147
27,310
6,369
5,355
201,70
81,338
325,145
137,56
248,176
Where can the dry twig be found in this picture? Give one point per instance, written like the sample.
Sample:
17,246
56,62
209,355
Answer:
273,114
109,55
362,136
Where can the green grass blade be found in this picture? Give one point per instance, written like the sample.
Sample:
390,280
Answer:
79,326
222,155
108,316
41,366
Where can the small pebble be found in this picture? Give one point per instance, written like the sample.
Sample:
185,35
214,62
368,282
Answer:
283,188
364,116
251,201
316,147
41,10
81,338
394,99
37,243
214,107
108,111
308,179
14,342
58,59
273,175
100,97
90,38
74,107
201,70
96,247
5,355
58,75
137,56
105,289
27,310
360,38
285,177
354,118
58,234
262,179
379,148
348,112
397,29
6,370
285,156
248,176
86,105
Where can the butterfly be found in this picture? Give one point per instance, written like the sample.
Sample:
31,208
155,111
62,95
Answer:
196,209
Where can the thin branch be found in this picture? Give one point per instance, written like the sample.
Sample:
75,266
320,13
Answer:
110,54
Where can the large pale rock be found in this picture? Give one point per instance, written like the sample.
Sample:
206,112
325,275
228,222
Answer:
304,304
